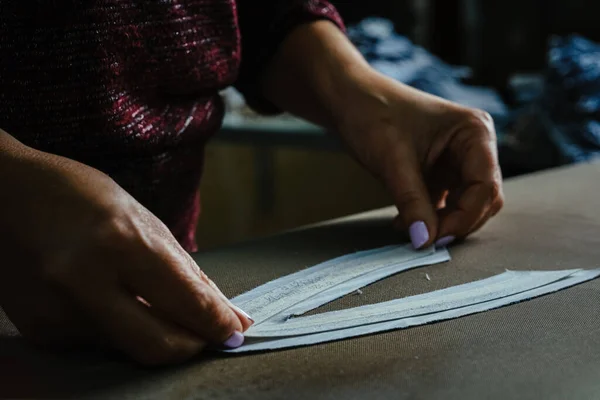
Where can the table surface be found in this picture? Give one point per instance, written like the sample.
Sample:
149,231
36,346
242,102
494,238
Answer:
545,348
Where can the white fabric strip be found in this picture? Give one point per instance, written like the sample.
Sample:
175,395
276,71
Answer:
496,287
261,344
352,285
276,304
277,296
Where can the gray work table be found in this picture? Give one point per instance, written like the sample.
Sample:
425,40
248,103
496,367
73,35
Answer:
546,348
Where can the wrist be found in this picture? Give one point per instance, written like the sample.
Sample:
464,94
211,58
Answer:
357,92
371,98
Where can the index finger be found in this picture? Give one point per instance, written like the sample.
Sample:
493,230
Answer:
480,188
172,287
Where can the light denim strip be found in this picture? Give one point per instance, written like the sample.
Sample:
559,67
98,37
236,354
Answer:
275,306
496,287
279,295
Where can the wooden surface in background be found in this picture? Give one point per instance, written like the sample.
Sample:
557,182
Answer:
308,186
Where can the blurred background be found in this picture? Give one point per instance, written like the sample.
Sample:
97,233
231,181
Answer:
533,64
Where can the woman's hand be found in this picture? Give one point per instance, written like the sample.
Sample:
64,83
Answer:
83,262
437,159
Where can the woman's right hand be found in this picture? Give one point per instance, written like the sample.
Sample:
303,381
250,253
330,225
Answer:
83,262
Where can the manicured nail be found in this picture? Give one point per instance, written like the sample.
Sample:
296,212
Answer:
236,308
445,241
418,234
244,313
235,341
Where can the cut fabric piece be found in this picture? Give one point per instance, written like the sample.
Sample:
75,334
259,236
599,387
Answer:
276,305
496,287
333,279
256,344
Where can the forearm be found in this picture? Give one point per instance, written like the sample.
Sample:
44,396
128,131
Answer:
320,76
429,152
313,72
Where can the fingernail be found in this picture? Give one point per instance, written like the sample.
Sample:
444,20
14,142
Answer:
418,234
234,341
244,313
445,241
236,308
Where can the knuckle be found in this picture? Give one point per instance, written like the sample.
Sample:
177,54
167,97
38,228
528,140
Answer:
494,190
115,232
498,205
481,122
481,116
500,199
407,199
201,273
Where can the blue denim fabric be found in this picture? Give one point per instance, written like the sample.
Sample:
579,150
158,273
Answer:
570,104
397,57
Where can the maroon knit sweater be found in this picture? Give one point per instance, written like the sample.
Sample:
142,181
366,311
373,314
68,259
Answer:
130,87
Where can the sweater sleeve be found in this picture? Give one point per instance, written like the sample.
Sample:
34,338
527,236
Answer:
262,30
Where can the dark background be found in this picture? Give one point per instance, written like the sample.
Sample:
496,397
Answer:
255,188
494,37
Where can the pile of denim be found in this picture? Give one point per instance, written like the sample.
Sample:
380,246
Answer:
556,118
562,124
570,104
397,57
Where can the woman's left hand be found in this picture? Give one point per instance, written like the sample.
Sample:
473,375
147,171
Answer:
438,159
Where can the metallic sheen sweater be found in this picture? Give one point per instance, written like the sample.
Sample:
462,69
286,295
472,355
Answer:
130,87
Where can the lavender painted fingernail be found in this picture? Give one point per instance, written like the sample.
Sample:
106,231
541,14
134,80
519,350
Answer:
234,341
418,234
445,241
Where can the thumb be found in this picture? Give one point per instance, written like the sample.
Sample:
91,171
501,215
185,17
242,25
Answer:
416,214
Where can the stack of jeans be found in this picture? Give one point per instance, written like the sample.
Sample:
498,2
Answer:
570,105
556,119
562,125
397,57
